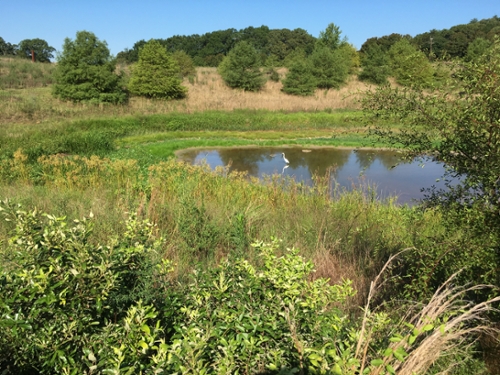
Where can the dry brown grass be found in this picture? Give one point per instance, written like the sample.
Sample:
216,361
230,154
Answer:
446,324
209,92
206,91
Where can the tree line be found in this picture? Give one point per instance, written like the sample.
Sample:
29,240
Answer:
36,49
277,45
209,49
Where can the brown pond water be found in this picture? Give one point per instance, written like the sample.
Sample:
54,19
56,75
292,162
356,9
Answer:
351,167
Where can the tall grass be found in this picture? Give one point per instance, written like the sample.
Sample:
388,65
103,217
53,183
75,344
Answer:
206,92
207,215
22,74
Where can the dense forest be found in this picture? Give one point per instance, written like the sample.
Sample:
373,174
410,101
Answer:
276,45
209,49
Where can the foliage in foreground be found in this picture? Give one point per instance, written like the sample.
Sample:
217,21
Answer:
72,306
461,128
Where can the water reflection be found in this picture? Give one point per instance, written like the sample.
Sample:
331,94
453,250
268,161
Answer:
351,167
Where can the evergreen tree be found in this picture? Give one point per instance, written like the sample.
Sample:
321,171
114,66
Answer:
157,74
299,80
409,65
375,65
330,68
241,68
86,71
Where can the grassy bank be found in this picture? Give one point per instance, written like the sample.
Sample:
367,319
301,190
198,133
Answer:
103,136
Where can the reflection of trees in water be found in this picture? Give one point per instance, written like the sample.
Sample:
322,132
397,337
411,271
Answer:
245,159
389,159
317,161
365,158
188,156
320,160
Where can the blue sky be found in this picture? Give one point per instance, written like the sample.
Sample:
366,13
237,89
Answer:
121,23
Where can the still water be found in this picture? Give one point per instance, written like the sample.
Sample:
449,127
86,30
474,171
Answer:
381,168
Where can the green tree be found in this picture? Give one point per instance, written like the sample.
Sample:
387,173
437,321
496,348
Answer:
408,65
332,58
43,52
157,74
330,68
86,71
241,68
7,48
185,63
282,42
300,80
331,37
375,65
459,127
477,48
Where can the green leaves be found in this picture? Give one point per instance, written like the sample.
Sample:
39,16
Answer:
157,74
86,72
241,68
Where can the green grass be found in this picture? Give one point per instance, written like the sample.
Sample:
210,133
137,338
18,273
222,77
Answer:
104,136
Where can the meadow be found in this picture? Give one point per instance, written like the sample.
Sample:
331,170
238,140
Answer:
181,269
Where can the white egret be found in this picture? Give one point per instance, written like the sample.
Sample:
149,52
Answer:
285,159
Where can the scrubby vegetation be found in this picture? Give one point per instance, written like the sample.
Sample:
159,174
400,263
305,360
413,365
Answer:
115,258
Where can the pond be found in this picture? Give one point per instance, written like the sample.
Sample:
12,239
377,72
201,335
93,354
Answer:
350,167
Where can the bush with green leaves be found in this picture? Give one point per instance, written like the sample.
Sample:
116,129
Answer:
70,306
300,79
457,125
241,68
86,72
157,74
59,291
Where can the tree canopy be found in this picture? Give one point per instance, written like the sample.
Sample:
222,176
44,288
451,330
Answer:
7,48
43,52
300,79
86,71
157,74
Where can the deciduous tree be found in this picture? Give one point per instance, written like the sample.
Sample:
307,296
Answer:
43,52
458,125
7,48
